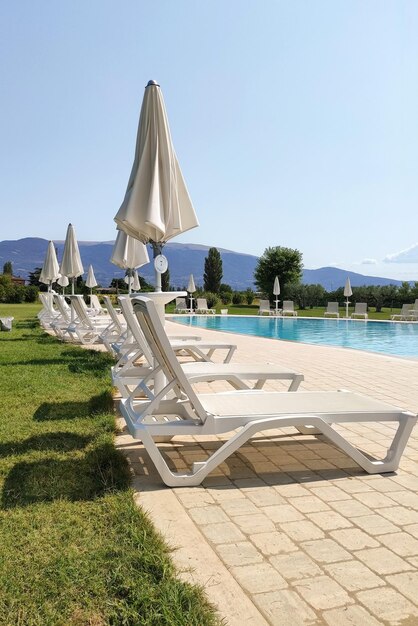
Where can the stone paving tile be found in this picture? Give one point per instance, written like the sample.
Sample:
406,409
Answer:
375,524
329,520
302,531
284,607
283,513
295,566
265,497
208,515
406,583
259,578
351,508
354,575
226,532
257,523
325,551
406,498
353,539
322,592
412,530
400,515
387,604
310,504
239,506
242,553
383,561
374,499
273,543
353,615
401,543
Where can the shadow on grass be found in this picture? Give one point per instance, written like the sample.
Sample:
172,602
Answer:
57,441
49,411
85,477
78,361
27,324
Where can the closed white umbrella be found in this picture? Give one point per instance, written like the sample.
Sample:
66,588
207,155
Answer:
128,254
50,269
347,292
71,265
157,205
91,279
64,282
276,291
191,288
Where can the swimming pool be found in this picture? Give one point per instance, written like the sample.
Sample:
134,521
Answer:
396,339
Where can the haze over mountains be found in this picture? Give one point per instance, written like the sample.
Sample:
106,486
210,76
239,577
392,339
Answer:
238,268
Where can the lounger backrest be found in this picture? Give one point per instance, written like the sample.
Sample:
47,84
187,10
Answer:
159,344
288,305
360,308
113,315
332,307
264,305
181,303
202,303
406,308
134,327
59,303
46,300
415,307
80,310
95,302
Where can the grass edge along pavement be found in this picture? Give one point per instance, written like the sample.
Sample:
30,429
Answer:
75,549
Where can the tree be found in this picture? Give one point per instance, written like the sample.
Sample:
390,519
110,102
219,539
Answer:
34,276
212,276
285,263
7,268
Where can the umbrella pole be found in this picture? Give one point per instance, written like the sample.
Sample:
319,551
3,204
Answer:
72,286
157,249
346,308
277,306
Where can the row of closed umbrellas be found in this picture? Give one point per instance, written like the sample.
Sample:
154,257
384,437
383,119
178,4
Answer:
128,254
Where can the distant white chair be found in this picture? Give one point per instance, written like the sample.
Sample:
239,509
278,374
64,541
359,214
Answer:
264,307
181,306
289,308
360,310
413,311
202,307
332,309
96,306
405,314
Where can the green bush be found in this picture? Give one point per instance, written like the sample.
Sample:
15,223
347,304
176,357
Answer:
31,293
212,299
249,296
237,297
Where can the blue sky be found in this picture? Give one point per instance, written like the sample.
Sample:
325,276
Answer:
295,123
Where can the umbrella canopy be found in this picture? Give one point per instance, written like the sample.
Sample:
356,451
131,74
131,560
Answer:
91,279
276,287
191,288
157,205
347,288
71,265
128,253
63,281
50,269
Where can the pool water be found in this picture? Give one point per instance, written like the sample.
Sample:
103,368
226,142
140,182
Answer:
396,339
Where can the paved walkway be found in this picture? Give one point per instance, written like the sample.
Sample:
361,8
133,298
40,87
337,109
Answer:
289,531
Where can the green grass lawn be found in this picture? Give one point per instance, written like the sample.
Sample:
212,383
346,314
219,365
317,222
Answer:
74,548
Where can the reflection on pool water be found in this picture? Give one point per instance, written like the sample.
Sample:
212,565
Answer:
397,339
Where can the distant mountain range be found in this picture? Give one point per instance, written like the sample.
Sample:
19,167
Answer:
238,268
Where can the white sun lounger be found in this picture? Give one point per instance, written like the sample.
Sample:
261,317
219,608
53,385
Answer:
360,310
248,412
404,314
332,309
264,307
128,376
289,308
202,307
